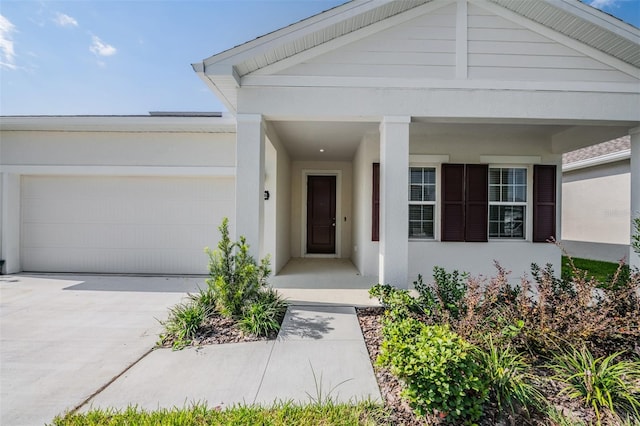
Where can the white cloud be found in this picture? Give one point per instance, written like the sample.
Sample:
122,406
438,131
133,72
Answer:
63,20
100,48
7,54
603,4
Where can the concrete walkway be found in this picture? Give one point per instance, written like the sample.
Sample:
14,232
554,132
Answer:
323,341
63,340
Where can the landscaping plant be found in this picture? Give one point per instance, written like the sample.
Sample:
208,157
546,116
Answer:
234,276
604,382
511,384
236,289
437,367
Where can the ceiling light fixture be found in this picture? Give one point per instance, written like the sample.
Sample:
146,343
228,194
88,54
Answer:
321,149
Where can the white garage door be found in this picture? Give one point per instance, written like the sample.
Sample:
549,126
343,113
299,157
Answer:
122,224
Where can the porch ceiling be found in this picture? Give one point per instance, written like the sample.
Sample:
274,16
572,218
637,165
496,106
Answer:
340,139
304,139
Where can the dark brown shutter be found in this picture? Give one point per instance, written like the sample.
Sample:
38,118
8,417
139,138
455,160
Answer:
452,202
476,202
375,204
544,202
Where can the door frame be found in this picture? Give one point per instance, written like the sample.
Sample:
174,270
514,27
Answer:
303,230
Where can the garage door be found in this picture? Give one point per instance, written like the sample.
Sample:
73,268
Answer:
122,224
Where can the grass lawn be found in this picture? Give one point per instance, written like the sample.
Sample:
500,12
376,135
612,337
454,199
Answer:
600,270
281,414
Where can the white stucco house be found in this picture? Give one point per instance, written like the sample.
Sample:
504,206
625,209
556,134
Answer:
398,134
597,226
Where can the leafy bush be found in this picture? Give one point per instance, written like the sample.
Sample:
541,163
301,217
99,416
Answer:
235,277
183,323
437,367
510,383
599,382
398,302
264,314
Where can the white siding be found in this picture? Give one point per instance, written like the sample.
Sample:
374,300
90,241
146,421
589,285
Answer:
122,224
502,50
421,48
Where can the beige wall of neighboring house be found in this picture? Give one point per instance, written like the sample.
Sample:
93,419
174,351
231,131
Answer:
596,204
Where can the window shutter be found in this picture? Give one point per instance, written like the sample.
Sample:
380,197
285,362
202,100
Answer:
452,202
544,202
375,204
477,202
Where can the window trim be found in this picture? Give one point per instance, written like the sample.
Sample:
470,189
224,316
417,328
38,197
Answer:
435,204
528,211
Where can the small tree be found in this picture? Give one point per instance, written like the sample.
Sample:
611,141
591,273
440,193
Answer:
234,275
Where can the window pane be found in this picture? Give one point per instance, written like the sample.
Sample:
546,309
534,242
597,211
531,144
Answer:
494,176
416,175
421,224
520,194
494,193
430,176
506,221
415,193
429,193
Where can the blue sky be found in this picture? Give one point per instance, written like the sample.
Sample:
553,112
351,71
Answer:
133,56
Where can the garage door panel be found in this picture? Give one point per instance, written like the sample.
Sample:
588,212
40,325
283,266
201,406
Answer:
122,225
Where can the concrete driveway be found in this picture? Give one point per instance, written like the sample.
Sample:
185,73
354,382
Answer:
62,338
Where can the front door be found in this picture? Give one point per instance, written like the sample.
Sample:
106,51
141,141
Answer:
321,214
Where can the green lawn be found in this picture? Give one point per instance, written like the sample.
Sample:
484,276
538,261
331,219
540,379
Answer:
601,271
281,414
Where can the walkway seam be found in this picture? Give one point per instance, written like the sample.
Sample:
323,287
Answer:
264,373
106,385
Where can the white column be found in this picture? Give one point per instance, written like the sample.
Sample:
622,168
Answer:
250,139
11,223
394,210
634,258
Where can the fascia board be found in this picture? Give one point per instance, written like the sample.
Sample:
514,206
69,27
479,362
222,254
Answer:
597,161
224,124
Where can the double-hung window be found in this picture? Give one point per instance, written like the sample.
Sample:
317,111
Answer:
422,202
507,202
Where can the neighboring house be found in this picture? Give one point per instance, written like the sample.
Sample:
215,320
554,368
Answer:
596,189
399,134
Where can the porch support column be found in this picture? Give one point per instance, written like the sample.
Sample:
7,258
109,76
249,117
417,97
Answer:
394,210
250,140
634,258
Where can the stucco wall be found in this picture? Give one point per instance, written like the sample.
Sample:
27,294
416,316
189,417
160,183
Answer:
596,205
365,251
118,148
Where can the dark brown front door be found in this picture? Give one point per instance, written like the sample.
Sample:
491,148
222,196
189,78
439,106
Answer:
321,214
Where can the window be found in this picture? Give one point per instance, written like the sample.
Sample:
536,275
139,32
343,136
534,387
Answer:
479,202
422,202
507,202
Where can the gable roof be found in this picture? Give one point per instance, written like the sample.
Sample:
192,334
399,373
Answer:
224,71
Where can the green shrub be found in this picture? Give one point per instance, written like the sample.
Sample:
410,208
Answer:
183,323
450,290
264,314
234,276
599,382
438,369
509,378
398,302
